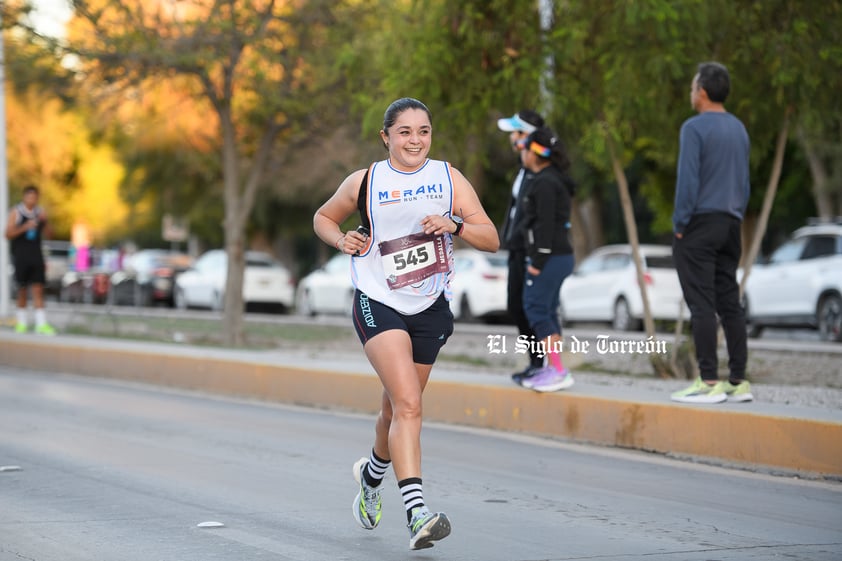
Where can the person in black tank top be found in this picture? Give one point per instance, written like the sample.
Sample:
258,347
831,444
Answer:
24,229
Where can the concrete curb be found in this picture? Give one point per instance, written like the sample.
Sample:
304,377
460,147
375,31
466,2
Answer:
776,442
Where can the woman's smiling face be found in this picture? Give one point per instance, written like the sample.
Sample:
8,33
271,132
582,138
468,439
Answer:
409,140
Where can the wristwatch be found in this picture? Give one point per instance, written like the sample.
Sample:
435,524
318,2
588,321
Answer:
459,224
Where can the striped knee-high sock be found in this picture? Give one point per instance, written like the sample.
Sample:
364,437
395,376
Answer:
413,496
376,469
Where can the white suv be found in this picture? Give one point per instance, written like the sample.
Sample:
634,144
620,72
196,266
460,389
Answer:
801,284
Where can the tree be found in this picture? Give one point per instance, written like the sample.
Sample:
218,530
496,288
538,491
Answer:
800,49
50,143
255,63
169,148
470,62
619,69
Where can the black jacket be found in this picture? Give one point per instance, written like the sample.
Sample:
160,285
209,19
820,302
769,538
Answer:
546,216
512,231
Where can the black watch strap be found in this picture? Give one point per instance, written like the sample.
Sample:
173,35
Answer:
459,225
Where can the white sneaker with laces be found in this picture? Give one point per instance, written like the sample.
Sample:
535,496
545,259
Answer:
367,507
427,527
548,379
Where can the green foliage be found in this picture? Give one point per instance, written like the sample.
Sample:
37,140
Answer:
626,67
618,67
32,62
467,61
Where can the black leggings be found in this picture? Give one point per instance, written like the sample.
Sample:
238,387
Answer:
517,276
706,259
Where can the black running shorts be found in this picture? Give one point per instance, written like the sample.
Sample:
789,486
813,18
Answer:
29,271
428,330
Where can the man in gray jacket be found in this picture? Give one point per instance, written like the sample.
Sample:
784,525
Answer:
711,195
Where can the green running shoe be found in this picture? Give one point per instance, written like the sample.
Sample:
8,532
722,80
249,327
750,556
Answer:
701,392
367,505
427,527
45,329
21,328
741,393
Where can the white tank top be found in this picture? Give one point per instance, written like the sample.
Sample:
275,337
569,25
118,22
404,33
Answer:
397,202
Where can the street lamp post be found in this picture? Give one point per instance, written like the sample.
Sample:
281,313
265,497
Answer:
4,188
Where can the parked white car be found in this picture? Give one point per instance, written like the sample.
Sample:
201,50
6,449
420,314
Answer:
604,287
328,289
479,284
265,282
801,284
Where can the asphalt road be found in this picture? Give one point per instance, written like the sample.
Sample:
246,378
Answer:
113,471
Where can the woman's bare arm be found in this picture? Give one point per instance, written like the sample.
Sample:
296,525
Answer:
335,211
478,229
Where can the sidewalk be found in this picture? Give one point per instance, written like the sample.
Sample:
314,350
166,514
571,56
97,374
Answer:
771,436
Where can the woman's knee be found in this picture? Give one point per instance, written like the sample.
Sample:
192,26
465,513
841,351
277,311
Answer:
407,408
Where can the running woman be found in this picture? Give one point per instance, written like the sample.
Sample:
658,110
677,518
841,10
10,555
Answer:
412,207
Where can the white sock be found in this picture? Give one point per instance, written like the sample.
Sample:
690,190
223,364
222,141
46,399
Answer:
22,316
40,317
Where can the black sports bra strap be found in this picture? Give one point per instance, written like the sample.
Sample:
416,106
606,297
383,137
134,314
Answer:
362,202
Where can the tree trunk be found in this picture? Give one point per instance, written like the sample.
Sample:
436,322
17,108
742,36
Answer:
768,199
588,214
578,231
658,362
631,232
595,213
232,317
747,235
821,192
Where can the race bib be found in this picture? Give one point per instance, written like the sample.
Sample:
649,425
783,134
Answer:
413,258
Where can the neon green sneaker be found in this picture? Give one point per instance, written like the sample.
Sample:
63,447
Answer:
367,507
21,328
741,393
45,329
701,392
427,527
